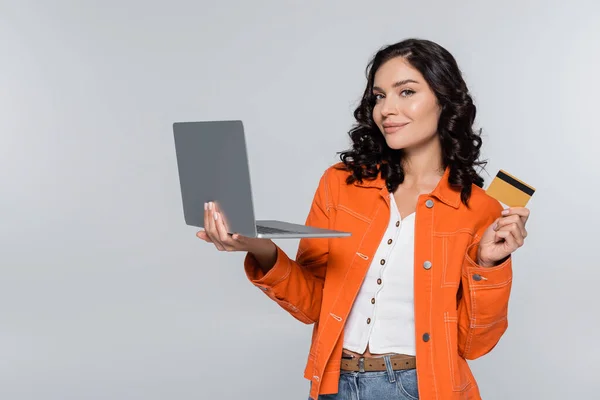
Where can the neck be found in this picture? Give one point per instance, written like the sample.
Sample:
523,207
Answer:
424,163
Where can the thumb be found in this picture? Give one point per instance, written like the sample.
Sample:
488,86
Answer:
490,232
202,235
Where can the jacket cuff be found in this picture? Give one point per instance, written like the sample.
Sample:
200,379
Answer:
280,271
498,274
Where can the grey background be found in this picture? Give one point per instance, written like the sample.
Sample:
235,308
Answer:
106,294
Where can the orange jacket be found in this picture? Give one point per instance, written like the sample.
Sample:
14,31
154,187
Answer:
460,307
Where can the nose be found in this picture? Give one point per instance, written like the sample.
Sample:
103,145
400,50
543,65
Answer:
389,106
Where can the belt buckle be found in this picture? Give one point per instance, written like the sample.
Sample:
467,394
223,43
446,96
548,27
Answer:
361,364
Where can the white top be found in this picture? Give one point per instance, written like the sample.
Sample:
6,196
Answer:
382,315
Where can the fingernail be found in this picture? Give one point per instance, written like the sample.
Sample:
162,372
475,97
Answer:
495,226
216,216
210,205
205,206
505,212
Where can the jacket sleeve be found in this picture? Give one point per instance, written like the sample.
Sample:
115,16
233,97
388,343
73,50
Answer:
483,307
297,285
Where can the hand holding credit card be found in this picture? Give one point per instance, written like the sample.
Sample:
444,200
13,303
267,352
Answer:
507,233
509,190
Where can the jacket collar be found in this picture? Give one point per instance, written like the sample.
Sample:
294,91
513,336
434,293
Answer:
444,192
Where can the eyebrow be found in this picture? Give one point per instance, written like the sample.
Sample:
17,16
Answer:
397,84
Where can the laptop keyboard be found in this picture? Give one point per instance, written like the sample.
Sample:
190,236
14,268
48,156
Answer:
267,230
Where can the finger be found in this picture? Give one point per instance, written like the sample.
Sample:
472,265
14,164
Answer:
237,237
221,217
515,231
511,219
202,235
241,241
217,240
522,212
207,217
211,228
496,224
522,229
224,237
509,240
218,219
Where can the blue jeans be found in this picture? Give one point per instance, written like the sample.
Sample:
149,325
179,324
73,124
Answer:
384,385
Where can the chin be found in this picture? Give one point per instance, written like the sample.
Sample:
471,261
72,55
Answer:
407,141
397,143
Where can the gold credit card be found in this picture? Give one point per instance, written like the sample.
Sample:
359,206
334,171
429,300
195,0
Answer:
509,190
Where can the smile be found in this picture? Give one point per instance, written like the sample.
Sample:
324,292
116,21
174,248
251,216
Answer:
393,128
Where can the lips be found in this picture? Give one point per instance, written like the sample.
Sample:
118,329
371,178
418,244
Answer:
392,127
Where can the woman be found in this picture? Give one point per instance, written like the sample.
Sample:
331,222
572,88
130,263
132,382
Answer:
424,281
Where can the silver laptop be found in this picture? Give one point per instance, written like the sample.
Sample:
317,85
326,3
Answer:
213,166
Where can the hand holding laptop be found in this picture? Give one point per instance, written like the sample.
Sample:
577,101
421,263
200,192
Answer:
216,232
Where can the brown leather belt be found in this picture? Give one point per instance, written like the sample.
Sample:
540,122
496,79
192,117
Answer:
364,364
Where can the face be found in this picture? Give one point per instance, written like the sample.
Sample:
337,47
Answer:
406,109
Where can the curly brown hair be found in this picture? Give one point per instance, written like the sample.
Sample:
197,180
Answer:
370,155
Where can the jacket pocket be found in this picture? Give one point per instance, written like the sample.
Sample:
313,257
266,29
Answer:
458,367
450,253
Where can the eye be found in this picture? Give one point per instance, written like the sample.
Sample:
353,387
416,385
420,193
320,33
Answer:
376,96
407,93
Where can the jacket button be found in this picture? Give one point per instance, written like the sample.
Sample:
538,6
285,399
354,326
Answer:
426,337
427,264
476,277
429,203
